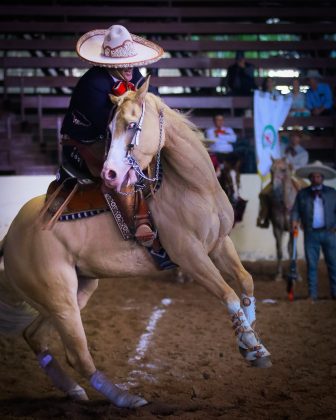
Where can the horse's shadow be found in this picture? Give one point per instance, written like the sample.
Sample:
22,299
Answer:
64,408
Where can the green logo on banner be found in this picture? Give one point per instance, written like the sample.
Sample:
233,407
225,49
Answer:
268,137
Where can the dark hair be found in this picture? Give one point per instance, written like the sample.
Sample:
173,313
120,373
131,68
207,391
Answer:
264,83
314,172
239,55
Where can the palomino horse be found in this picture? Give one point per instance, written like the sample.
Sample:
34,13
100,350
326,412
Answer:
281,200
56,271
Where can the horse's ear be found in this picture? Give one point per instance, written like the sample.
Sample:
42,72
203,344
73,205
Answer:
142,91
115,99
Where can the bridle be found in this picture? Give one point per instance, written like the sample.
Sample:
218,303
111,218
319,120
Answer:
133,163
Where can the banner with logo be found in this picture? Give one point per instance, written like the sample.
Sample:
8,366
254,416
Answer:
270,113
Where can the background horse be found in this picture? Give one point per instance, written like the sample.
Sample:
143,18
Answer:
55,271
281,197
229,179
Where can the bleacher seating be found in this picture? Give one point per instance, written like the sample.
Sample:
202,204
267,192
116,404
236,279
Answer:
40,67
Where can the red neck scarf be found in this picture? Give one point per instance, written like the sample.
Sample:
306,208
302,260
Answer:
121,87
219,131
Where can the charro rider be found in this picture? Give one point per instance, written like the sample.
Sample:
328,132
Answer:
115,55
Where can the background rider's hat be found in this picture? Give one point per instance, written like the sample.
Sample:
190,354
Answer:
117,48
313,74
318,167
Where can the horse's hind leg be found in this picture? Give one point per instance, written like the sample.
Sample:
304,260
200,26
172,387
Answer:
69,325
67,320
37,334
226,259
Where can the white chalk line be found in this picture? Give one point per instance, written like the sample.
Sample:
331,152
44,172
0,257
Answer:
143,346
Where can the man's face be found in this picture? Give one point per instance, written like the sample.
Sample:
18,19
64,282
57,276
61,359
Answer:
295,140
316,178
219,121
312,83
127,73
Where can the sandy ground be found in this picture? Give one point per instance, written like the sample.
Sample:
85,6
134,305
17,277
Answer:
188,366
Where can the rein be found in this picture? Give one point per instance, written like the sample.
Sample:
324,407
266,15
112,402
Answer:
133,163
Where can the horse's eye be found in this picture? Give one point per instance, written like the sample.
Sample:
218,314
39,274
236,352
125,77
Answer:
131,125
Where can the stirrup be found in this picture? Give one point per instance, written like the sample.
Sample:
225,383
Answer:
145,235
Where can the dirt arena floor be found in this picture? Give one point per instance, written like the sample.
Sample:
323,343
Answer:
173,344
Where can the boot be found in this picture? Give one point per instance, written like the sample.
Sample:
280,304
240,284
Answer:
144,233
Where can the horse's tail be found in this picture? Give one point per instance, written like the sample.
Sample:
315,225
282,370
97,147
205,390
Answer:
15,314
15,318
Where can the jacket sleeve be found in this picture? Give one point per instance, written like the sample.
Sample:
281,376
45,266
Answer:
90,108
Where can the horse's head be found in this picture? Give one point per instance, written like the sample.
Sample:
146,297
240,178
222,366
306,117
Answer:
280,170
137,133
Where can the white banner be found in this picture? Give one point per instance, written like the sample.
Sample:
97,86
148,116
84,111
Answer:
270,113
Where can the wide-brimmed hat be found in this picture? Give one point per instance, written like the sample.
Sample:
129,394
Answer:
313,74
317,166
117,48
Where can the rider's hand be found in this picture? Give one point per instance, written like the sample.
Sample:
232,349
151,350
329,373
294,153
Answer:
295,224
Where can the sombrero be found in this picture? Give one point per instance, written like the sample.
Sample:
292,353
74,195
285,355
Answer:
318,167
313,74
115,47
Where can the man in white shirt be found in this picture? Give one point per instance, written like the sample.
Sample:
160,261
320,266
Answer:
226,161
222,136
295,154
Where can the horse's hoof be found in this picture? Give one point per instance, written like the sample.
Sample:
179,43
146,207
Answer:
139,403
262,362
78,394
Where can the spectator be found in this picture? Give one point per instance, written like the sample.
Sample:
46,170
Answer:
298,108
319,96
240,77
315,210
268,85
296,155
223,138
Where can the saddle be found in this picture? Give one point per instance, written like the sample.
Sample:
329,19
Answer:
70,199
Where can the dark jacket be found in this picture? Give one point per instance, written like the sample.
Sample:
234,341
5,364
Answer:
240,81
304,206
90,109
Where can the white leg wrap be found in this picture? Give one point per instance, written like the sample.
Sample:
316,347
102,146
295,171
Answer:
59,378
249,308
117,396
246,337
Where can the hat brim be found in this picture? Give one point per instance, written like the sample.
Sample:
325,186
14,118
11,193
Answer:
305,171
89,48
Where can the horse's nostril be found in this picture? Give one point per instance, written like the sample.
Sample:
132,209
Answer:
111,174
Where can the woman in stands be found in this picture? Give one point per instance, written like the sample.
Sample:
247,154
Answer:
115,55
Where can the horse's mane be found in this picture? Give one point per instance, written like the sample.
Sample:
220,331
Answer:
177,118
184,150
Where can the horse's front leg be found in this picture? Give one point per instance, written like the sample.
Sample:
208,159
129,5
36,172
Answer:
205,272
278,233
226,259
